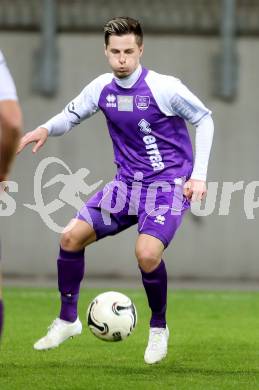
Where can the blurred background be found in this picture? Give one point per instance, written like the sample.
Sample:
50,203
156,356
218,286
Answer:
54,48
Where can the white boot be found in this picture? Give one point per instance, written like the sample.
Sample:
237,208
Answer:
58,332
157,345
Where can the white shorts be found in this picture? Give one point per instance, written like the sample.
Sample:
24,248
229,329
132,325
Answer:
7,86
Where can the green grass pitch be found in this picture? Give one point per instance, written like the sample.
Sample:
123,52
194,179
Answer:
214,344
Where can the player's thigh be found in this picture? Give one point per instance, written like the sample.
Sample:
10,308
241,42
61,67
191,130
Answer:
107,220
77,235
162,218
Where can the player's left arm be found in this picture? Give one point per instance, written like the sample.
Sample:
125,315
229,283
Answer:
185,104
195,188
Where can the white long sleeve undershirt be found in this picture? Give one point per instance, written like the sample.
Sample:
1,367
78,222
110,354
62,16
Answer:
203,142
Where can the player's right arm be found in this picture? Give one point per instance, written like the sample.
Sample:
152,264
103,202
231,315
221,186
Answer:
10,130
10,119
82,107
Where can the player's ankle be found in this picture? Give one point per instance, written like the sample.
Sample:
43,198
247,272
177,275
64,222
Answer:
68,319
158,320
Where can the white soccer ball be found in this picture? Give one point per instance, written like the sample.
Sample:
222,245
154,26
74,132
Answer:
111,316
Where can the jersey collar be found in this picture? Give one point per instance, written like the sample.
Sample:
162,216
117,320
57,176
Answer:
129,81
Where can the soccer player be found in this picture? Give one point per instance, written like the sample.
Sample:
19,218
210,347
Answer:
10,128
145,113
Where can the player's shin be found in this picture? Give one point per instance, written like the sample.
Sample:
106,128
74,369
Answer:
155,284
70,274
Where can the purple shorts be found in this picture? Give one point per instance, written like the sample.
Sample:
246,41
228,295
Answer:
157,209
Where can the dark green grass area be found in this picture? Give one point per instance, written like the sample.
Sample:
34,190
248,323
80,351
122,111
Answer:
214,344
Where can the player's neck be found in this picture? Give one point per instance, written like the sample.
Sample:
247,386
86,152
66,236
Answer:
129,81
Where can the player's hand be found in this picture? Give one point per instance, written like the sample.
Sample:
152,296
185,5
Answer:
39,136
195,190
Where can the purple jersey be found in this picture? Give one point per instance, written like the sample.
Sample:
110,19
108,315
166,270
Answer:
144,138
146,122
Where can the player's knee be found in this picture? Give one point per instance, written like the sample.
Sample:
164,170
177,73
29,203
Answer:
148,259
69,242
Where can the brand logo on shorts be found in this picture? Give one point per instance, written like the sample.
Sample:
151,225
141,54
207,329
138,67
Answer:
160,219
111,100
142,102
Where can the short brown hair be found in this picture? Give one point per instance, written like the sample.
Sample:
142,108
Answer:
121,26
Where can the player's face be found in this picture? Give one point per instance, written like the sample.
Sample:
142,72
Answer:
123,54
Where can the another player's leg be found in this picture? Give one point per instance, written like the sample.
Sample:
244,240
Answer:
149,252
70,265
10,127
1,316
1,307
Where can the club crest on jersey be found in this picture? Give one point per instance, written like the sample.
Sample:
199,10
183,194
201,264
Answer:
111,100
142,102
